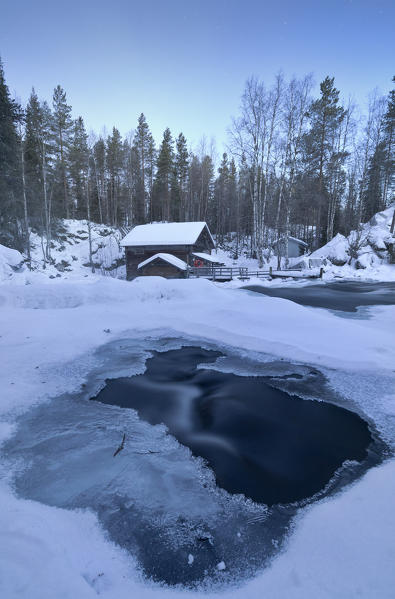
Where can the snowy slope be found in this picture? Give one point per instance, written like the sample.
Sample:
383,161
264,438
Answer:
70,252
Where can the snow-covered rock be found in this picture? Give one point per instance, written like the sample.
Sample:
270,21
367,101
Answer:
367,249
336,250
69,253
10,261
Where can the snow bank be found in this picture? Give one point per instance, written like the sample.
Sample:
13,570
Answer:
335,250
366,250
10,260
196,307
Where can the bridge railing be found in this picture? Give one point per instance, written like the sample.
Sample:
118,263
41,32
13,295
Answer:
216,272
230,272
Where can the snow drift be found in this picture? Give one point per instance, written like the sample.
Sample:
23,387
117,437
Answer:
369,247
10,262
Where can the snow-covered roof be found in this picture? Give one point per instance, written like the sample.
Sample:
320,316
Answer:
206,257
167,258
165,234
290,238
300,241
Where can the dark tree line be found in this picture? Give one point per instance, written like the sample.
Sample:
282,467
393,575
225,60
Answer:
296,165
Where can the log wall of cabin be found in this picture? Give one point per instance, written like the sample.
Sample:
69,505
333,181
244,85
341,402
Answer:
159,268
137,254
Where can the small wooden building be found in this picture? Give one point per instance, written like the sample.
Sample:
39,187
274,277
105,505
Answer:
179,240
293,249
163,265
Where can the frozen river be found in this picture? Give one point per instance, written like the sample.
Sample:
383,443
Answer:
345,296
202,434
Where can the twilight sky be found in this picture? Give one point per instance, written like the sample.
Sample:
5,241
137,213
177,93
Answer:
184,63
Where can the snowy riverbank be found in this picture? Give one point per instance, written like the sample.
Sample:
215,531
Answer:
340,547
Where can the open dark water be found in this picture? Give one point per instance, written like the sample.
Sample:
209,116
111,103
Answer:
259,440
346,296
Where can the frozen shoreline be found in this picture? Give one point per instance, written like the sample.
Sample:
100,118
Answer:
56,326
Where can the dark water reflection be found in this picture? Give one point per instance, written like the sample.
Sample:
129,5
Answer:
346,296
259,440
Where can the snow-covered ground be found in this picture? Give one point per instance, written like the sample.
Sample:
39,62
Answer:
69,254
50,329
362,255
53,323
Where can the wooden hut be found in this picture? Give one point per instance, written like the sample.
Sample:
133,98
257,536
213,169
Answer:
163,265
293,249
179,240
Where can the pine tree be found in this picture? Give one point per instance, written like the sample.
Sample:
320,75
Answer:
389,151
221,198
151,166
39,156
233,198
10,176
163,179
114,161
99,174
373,200
326,116
181,177
62,129
142,145
33,157
79,163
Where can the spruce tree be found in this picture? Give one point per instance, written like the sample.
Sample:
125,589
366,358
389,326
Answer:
10,175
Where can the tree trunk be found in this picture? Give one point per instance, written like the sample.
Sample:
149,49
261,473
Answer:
25,212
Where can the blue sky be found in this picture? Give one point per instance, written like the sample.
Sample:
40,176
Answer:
184,63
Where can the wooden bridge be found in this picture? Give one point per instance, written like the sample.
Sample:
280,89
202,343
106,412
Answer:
227,273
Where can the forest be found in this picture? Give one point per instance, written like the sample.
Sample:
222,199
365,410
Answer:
294,164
